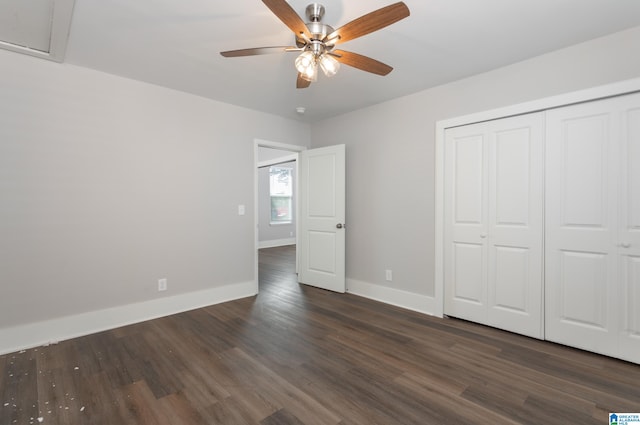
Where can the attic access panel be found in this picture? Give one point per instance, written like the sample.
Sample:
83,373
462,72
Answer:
36,27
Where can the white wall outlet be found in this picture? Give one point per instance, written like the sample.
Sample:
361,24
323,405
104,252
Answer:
162,284
388,275
241,210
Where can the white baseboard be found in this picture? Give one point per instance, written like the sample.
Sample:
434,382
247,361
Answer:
409,300
276,242
51,331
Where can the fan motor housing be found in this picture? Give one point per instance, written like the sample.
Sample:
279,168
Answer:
318,30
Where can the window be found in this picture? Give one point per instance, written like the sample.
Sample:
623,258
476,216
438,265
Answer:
281,190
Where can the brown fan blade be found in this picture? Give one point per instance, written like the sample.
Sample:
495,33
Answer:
364,63
301,83
258,51
369,23
286,14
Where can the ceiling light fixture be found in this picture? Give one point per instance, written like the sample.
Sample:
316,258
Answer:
330,65
316,54
307,65
316,41
316,49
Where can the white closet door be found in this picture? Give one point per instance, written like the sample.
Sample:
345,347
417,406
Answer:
581,298
515,224
629,229
493,223
465,250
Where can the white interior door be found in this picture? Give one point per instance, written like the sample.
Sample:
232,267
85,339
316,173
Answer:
493,223
582,159
321,239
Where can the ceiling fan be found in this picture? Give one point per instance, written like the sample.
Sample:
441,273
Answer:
317,41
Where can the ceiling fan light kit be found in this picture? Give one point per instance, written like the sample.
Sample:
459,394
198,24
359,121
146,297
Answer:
330,65
317,41
307,66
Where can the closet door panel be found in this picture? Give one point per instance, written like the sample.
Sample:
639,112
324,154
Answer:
465,198
493,223
631,173
468,260
630,334
584,174
515,224
511,279
583,290
629,240
468,173
581,226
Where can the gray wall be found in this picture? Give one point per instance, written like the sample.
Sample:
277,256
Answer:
108,184
268,234
390,152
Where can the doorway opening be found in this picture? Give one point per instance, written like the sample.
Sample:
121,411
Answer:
276,198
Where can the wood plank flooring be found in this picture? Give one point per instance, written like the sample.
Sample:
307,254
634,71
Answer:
298,355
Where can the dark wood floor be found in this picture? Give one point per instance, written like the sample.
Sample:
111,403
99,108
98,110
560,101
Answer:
299,355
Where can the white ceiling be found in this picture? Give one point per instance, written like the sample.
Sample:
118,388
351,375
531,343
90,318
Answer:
177,43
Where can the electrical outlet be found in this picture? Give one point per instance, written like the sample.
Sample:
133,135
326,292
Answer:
388,275
162,284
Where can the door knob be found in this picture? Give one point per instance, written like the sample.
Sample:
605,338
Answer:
483,235
625,245
339,226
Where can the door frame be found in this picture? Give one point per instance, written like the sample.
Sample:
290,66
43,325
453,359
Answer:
294,149
586,95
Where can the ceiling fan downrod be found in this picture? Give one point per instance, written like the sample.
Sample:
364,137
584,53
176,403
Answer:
315,12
